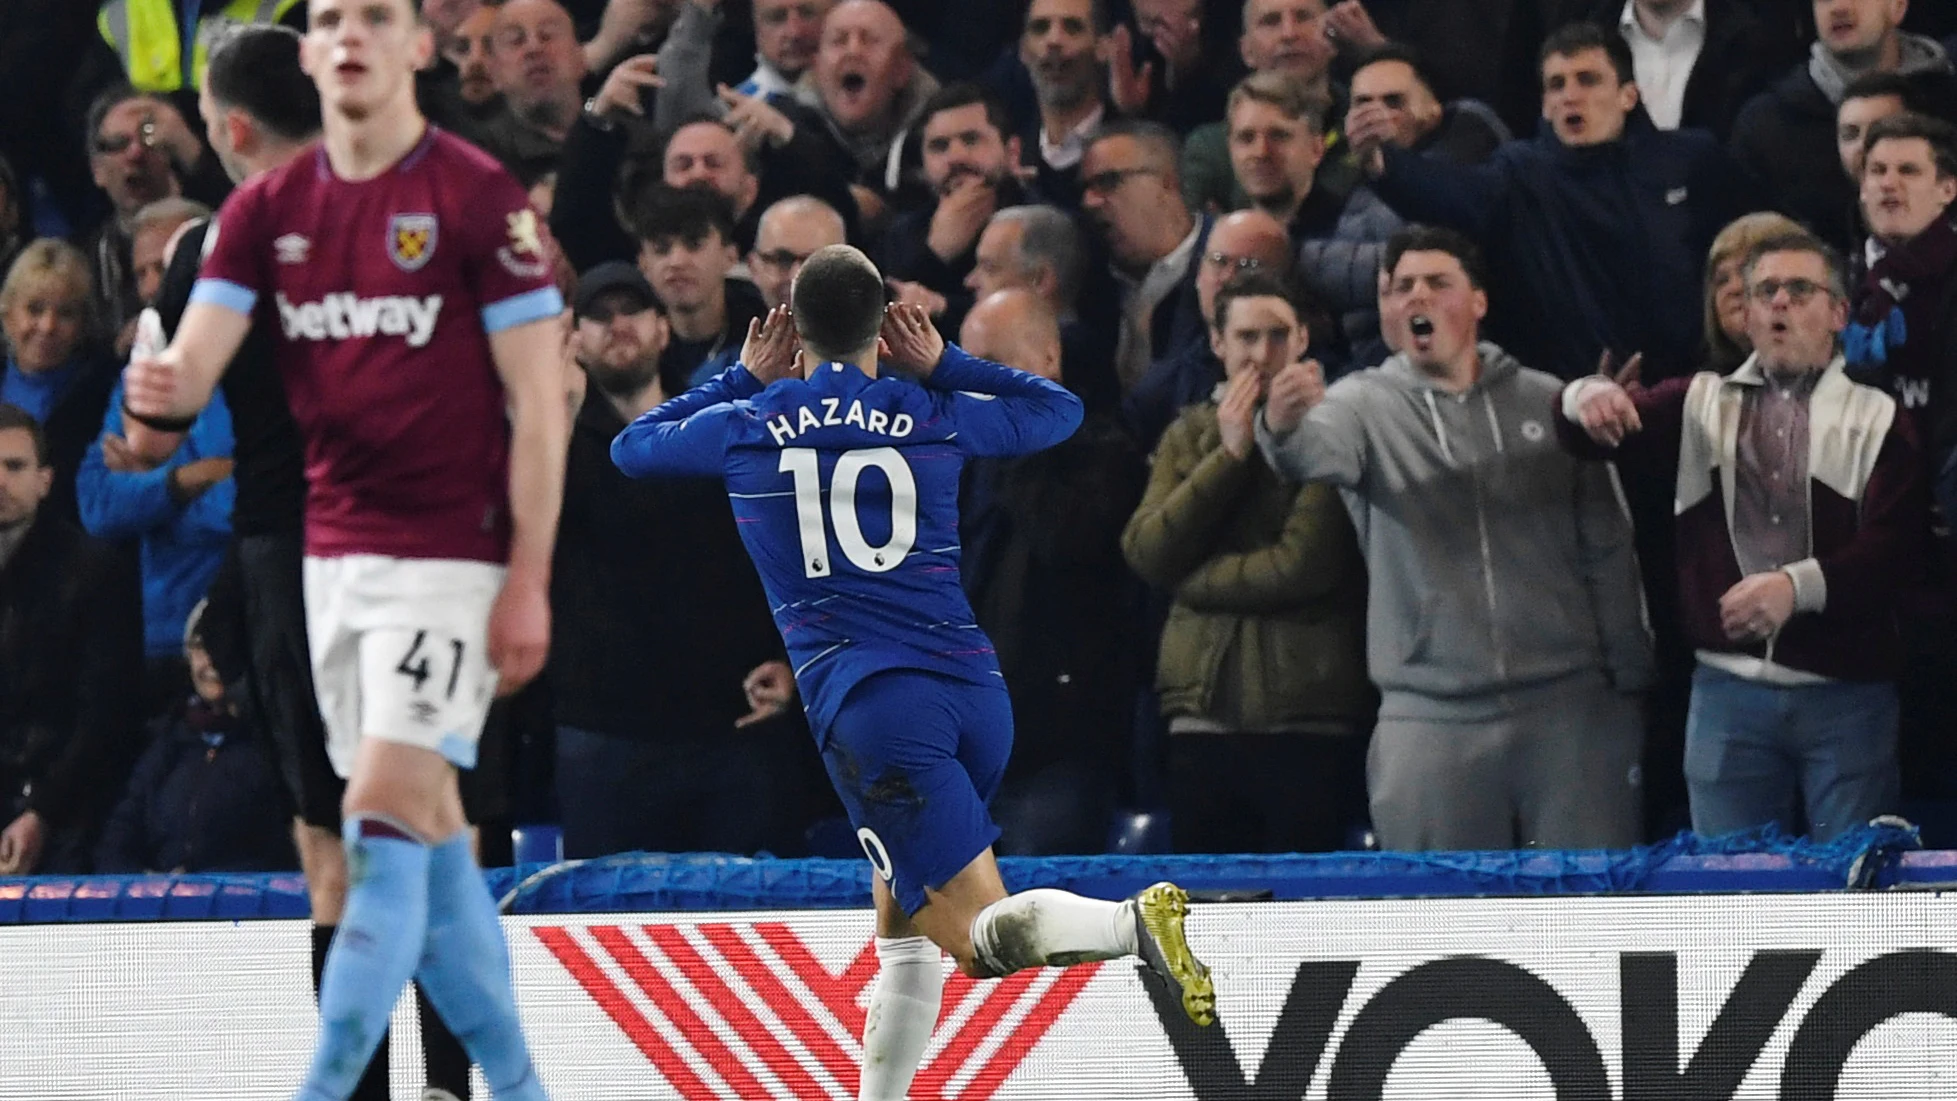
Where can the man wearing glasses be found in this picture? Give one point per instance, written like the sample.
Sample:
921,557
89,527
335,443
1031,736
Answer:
789,233
1131,194
1801,511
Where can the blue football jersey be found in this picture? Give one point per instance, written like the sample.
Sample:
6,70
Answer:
845,489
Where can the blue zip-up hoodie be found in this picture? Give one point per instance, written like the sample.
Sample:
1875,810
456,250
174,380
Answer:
1588,246
182,545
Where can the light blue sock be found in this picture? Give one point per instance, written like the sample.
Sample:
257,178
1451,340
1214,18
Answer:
373,955
465,971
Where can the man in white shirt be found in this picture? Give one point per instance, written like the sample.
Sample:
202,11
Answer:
1697,61
1131,194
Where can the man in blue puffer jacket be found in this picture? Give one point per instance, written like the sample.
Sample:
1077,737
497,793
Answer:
1597,229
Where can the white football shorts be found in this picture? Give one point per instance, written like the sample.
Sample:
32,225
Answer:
400,650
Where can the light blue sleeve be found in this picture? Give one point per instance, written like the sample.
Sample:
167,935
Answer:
999,411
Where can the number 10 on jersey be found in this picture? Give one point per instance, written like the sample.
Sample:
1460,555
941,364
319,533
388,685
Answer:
802,462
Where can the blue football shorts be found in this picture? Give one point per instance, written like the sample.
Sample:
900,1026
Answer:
915,757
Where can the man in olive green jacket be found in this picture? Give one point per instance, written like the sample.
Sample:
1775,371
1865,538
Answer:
1262,672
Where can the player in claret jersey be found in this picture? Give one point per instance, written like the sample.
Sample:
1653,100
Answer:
845,486
421,347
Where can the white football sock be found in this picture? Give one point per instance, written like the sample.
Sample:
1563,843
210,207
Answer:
903,1010
1050,928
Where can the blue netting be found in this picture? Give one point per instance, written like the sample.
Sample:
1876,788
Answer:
1754,860
1757,860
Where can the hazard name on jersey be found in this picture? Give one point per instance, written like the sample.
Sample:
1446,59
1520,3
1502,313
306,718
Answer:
786,426
345,316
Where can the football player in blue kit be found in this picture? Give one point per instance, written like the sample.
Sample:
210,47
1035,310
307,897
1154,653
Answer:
844,482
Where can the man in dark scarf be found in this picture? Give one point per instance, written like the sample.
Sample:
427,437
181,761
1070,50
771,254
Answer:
1902,336
1902,333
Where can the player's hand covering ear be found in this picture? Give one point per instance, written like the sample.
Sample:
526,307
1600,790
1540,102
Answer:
909,342
769,353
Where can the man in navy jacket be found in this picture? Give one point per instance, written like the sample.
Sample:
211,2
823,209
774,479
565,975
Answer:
1597,229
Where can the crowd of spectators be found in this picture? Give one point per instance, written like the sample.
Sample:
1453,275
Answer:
1510,422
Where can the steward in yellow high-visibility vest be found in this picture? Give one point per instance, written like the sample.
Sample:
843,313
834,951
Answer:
147,39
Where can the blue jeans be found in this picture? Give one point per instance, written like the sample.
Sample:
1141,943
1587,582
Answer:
1758,753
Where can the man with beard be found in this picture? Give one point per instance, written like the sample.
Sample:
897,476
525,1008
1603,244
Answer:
969,162
660,619
1063,44
459,91
537,65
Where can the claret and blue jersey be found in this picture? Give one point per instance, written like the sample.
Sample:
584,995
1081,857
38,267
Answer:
846,492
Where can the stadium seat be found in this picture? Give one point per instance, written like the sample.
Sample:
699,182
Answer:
1133,833
538,843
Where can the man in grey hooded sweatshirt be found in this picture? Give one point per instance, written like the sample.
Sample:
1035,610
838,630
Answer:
1505,626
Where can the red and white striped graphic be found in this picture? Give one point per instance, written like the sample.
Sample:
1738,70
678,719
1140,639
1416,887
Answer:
746,1012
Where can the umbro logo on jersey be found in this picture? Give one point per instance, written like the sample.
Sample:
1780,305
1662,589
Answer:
346,317
293,248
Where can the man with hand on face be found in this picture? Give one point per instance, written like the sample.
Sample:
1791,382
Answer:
1597,229
971,163
1504,623
1262,672
660,619
1801,509
1241,244
1392,95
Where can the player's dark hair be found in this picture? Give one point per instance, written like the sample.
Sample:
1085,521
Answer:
838,302
964,94
1419,238
686,214
254,68
13,416
1259,284
1574,38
